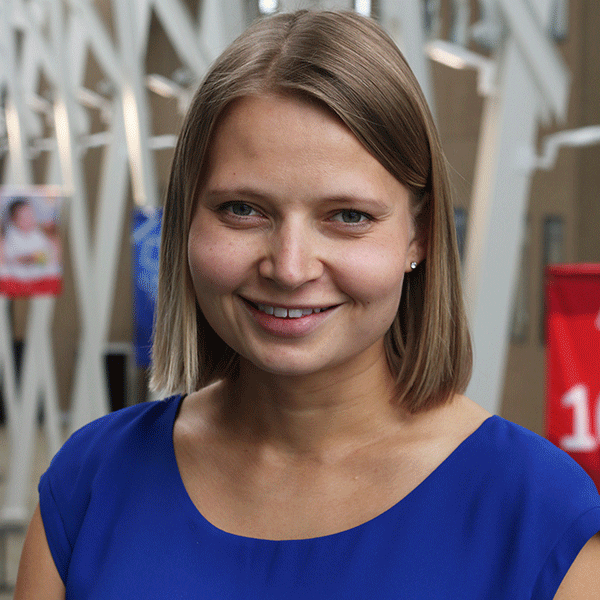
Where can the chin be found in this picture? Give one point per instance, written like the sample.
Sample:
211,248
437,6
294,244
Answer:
291,366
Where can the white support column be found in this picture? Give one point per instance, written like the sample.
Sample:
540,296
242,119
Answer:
110,221
56,37
38,382
461,19
90,398
19,174
142,16
292,5
98,39
496,225
528,84
405,23
96,266
191,48
135,106
538,51
221,23
14,111
37,374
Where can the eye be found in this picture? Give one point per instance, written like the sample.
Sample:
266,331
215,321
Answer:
239,209
351,216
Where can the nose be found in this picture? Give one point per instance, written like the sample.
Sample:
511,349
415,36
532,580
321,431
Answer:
291,258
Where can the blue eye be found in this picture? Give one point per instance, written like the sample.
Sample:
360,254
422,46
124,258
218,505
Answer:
239,209
351,216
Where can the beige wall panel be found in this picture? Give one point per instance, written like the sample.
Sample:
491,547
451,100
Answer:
461,153
523,400
458,107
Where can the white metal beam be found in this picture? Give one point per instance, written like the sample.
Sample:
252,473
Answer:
545,63
221,23
404,21
179,26
18,173
57,36
37,375
135,107
98,39
501,189
110,222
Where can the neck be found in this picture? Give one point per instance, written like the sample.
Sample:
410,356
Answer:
312,415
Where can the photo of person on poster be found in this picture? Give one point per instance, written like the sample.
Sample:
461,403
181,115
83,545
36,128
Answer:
29,245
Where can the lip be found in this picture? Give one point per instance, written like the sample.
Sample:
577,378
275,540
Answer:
288,326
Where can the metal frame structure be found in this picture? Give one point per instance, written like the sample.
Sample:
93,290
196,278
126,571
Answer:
532,86
52,38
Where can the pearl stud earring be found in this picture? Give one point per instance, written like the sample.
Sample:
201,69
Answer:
413,265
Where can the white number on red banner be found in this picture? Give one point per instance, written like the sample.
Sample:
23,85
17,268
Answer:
582,439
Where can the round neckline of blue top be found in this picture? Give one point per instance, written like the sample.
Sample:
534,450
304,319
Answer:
182,496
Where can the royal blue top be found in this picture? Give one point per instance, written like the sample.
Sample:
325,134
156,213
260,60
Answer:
503,517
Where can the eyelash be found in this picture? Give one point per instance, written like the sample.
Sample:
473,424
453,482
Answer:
365,217
227,209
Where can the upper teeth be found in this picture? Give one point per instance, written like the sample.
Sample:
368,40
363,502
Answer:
291,313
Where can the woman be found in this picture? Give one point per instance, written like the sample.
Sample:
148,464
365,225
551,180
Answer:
310,311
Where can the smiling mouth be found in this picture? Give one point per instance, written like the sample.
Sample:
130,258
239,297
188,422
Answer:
286,313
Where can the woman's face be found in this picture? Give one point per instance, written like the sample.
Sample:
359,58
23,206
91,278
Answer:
25,218
299,241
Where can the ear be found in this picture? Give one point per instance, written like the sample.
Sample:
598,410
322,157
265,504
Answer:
417,251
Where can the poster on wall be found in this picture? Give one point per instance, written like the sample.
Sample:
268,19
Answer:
573,362
146,224
30,247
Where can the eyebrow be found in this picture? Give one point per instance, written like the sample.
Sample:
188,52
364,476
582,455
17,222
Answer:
253,194
242,192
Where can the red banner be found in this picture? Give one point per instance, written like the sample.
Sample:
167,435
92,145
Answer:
573,362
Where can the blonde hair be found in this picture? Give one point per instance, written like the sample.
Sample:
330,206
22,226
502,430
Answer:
348,64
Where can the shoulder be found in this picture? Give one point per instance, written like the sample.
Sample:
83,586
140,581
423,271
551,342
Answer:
103,436
549,506
512,471
526,465
104,445
528,458
98,465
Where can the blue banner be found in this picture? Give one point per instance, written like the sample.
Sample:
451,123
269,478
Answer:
146,243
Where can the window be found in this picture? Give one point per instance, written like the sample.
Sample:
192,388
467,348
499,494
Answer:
519,330
553,250
553,240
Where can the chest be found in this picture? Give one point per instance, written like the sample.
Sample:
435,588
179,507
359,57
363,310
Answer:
160,547
302,499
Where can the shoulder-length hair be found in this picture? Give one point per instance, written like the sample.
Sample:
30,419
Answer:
348,64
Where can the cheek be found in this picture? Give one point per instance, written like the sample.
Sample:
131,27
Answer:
216,264
373,275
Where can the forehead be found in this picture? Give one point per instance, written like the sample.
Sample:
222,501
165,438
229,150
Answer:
286,147
280,133
272,113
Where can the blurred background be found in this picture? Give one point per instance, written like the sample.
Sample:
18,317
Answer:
92,94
